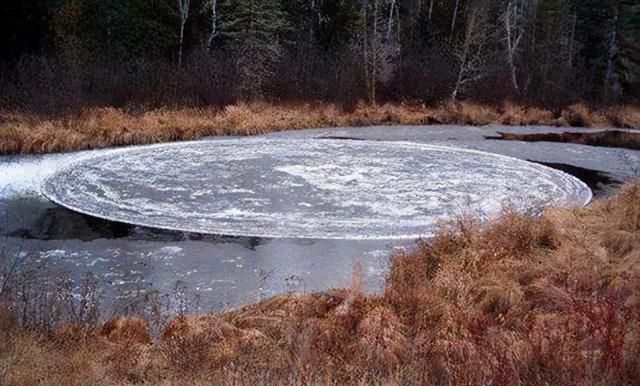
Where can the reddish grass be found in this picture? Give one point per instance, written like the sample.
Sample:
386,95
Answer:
522,300
607,138
516,115
126,330
104,127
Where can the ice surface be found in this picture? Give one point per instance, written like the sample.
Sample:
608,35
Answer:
620,164
22,176
305,188
146,260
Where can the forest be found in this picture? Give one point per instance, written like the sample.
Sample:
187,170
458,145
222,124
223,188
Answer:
60,55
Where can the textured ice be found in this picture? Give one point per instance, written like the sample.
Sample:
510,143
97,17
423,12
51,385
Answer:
620,164
305,188
20,176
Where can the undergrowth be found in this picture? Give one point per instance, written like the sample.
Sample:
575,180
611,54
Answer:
26,133
521,300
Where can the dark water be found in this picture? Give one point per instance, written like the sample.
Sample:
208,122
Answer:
601,184
131,262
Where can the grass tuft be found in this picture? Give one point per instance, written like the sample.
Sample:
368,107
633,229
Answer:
99,127
551,299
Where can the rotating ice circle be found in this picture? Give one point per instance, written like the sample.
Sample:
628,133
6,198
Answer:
332,189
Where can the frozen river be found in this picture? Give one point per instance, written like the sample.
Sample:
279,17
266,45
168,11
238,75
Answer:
305,188
131,261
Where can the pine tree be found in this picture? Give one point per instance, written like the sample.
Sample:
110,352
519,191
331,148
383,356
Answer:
254,30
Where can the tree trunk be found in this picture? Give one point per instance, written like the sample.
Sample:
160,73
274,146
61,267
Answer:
390,21
511,44
514,74
182,23
463,63
611,83
214,23
455,15
572,37
374,51
365,46
183,13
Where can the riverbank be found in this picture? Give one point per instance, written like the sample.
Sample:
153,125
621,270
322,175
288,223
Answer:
522,300
25,133
609,138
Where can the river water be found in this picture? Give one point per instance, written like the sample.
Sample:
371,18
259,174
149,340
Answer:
132,261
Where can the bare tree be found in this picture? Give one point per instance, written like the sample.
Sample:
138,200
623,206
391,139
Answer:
211,6
572,38
563,46
470,51
612,81
514,20
183,14
454,17
318,18
392,11
379,46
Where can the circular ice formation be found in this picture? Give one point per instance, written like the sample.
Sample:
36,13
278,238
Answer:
328,189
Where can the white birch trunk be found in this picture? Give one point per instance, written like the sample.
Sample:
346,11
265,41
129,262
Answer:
183,13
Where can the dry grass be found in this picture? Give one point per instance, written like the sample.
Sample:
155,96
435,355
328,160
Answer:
516,115
542,301
104,127
606,138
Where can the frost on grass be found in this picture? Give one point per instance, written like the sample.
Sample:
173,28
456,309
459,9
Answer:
305,188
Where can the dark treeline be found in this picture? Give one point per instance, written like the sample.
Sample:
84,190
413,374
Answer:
57,54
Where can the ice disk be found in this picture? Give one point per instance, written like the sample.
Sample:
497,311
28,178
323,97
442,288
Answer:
305,188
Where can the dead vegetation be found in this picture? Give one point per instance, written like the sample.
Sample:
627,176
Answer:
544,301
608,138
25,133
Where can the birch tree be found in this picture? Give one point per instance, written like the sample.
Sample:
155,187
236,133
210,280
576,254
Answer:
515,23
454,17
378,44
611,78
211,7
470,51
183,14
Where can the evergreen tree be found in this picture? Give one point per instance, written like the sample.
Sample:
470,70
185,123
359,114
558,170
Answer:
254,31
552,52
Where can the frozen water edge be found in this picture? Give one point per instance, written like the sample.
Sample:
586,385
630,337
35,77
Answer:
319,264
304,188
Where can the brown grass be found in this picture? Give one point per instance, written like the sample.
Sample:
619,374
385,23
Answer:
606,138
104,127
521,300
516,115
